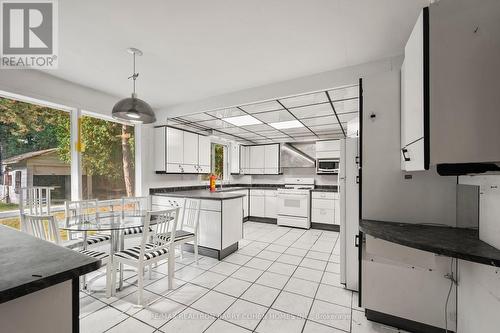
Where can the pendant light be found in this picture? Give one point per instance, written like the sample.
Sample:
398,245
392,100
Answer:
133,109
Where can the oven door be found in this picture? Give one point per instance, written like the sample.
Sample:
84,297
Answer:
293,204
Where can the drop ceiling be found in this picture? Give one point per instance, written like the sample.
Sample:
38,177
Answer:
199,49
320,115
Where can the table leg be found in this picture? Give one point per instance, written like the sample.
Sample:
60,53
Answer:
171,266
122,246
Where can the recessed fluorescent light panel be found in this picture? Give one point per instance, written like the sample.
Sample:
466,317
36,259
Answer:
286,124
243,120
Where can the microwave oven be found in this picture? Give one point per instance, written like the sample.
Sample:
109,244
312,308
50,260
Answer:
327,165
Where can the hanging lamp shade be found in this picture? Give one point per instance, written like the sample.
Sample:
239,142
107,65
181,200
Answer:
133,109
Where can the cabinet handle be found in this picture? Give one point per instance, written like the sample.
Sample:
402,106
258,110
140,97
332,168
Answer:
356,241
404,151
356,160
357,179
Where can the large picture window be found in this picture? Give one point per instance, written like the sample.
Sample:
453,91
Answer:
107,159
34,151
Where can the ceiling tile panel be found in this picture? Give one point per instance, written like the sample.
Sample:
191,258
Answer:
320,121
343,93
274,116
226,113
313,111
258,128
302,100
262,107
198,117
216,124
346,106
345,117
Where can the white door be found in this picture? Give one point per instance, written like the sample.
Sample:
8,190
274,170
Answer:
257,205
257,163
159,149
245,159
190,148
175,140
204,148
271,160
270,205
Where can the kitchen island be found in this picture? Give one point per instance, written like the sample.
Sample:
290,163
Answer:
39,284
221,219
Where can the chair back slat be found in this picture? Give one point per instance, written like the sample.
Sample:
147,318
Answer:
44,227
88,208
34,200
191,215
134,205
163,232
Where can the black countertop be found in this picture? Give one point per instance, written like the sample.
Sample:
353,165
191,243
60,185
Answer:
203,194
29,264
448,241
199,190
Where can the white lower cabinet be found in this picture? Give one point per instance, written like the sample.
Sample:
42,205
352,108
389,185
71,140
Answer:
221,222
325,208
263,203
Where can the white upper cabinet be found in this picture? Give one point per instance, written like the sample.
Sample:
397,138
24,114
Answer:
414,97
271,159
328,149
159,148
235,158
178,151
204,153
175,146
257,162
190,148
245,159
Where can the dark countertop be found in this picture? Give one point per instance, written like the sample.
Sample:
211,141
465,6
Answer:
203,194
448,241
326,188
29,264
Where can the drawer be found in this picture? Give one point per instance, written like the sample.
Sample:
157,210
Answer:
167,201
323,203
321,215
257,192
323,195
214,205
270,193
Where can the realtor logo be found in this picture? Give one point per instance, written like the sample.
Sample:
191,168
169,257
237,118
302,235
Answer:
29,34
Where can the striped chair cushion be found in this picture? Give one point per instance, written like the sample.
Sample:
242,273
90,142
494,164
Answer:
135,252
179,235
134,231
94,254
99,238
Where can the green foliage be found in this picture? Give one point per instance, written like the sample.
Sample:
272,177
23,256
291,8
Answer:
26,127
219,160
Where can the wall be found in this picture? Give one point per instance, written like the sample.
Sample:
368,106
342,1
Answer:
416,292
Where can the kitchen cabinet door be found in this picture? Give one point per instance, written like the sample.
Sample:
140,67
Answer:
245,159
190,148
204,148
271,160
270,207
210,229
235,158
175,151
159,149
257,159
257,205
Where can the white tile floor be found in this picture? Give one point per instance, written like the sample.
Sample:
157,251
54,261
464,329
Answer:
280,280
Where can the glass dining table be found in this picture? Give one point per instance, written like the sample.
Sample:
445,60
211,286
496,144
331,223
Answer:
114,224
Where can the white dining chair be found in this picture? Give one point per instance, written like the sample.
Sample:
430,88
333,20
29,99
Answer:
152,249
89,209
45,227
189,226
34,200
134,206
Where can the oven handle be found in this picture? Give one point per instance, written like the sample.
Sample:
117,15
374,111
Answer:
283,195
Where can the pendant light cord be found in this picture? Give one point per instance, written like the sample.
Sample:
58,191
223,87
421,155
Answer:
134,75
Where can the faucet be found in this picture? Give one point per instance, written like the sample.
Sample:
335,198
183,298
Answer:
221,181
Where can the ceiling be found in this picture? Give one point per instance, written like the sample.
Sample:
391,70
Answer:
199,49
321,115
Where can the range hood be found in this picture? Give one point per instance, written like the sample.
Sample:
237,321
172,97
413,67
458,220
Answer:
297,155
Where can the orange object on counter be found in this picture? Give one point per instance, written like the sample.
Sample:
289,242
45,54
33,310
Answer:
213,178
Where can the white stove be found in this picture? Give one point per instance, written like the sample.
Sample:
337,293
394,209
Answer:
294,203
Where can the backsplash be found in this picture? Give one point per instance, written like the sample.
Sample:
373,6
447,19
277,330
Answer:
296,172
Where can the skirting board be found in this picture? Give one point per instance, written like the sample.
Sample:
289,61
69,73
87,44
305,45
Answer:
324,226
212,253
401,323
263,219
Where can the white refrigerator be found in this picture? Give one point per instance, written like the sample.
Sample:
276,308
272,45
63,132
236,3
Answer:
349,212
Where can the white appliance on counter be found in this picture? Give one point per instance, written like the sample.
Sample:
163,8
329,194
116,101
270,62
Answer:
327,165
294,203
349,212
